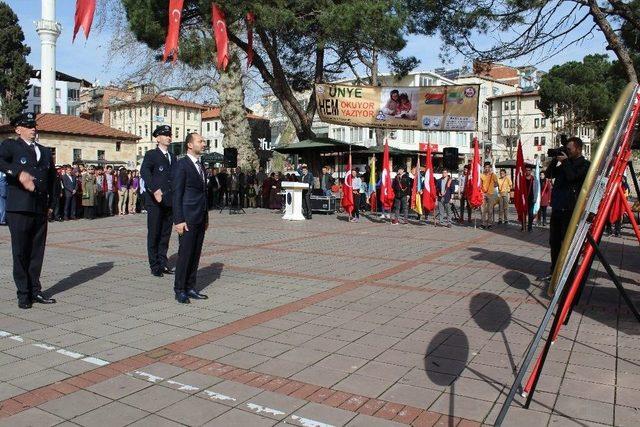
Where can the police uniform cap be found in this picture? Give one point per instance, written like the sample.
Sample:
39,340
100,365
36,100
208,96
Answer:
162,130
27,120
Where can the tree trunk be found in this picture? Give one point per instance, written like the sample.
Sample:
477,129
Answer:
237,133
615,43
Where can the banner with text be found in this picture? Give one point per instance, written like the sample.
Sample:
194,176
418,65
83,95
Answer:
428,108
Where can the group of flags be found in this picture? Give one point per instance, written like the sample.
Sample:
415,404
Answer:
85,10
424,193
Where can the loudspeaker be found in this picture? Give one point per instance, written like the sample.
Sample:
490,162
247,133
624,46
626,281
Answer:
230,157
450,155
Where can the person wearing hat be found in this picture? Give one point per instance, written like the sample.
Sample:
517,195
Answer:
30,179
157,173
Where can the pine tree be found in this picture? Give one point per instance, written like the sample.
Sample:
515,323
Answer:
14,69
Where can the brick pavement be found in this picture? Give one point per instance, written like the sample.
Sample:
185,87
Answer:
314,323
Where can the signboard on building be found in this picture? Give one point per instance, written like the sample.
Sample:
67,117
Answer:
428,108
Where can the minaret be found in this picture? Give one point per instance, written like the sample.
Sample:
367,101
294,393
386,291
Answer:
48,30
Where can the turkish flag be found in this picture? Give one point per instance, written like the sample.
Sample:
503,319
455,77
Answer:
173,31
219,22
85,10
251,19
520,186
386,189
474,189
429,188
347,190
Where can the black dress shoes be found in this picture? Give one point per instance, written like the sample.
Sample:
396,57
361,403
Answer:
24,305
157,273
192,293
40,299
167,270
182,298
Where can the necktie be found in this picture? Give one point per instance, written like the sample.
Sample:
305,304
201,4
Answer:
201,170
32,149
167,156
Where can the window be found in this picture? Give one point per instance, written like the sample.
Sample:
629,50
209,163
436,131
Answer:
372,133
188,115
188,131
536,141
513,105
157,111
536,123
164,112
139,151
77,154
57,93
140,130
57,109
118,145
506,123
73,94
543,122
215,143
543,140
506,105
208,126
177,132
146,130
131,113
140,112
537,104
36,108
215,126
100,155
513,123
208,144
36,91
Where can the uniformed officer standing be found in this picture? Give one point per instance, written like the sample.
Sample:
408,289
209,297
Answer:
157,172
30,178
191,218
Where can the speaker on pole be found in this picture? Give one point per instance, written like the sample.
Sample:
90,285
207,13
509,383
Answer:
450,155
230,157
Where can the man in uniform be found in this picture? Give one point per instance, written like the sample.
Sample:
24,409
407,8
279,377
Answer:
191,218
157,172
30,178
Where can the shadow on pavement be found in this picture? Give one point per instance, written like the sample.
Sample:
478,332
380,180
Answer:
209,274
78,278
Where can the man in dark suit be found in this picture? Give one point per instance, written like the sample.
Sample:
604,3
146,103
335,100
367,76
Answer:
70,187
30,178
191,218
444,189
213,186
307,178
157,172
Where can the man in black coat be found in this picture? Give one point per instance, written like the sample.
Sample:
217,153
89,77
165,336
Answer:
30,178
191,218
157,172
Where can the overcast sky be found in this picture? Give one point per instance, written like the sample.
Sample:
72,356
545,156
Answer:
89,59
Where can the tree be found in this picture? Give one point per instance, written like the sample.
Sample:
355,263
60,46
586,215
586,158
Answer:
524,27
582,92
14,69
298,43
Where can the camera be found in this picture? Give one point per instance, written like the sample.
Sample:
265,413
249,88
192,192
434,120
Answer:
555,152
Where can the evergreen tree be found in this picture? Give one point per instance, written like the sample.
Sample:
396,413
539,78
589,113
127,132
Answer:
14,69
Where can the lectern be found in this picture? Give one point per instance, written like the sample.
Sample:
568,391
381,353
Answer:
293,200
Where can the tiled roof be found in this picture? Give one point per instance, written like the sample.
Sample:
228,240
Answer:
162,100
74,125
214,113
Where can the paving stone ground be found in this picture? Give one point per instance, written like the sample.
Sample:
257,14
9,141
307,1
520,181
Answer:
311,323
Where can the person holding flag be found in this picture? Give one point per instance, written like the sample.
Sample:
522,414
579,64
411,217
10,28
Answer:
474,185
428,186
356,184
371,188
387,195
347,191
416,191
519,187
530,199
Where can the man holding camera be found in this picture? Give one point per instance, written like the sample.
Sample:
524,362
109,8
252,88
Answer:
569,169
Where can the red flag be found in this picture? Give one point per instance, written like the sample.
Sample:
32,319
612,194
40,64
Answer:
85,10
617,208
173,30
474,189
386,189
429,190
222,39
520,186
251,19
347,190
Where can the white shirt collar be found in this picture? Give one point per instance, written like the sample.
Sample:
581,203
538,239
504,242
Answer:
164,151
193,158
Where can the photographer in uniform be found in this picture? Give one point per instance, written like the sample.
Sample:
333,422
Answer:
568,168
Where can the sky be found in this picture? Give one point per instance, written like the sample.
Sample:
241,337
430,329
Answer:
90,59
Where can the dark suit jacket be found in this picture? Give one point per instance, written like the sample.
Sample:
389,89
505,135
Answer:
448,192
189,194
15,157
70,185
157,173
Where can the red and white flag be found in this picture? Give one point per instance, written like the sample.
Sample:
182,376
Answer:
429,189
219,22
85,9
347,190
474,189
386,189
173,30
251,20
520,186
